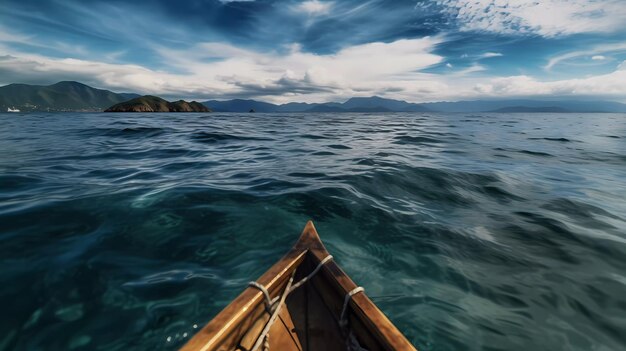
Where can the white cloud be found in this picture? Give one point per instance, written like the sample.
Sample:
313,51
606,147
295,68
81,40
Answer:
490,54
598,57
314,7
600,49
471,69
217,69
612,84
7,36
387,69
548,18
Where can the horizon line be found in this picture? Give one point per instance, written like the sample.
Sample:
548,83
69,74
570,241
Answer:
220,99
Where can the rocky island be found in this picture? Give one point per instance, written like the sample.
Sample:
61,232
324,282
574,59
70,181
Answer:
150,103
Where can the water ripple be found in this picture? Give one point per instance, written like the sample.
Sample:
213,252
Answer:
471,232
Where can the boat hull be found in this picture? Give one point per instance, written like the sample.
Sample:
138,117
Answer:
310,317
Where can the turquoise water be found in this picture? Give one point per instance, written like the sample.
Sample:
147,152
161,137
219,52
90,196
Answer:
471,232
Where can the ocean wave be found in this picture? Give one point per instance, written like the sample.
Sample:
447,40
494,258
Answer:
458,226
214,137
127,132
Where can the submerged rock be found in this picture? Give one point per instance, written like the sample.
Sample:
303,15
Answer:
150,103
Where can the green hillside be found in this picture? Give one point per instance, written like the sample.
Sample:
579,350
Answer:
150,103
62,96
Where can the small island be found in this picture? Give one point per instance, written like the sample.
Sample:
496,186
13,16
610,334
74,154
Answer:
150,103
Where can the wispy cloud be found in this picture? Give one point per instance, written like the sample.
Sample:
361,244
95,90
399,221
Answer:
548,18
9,36
595,51
471,69
490,54
314,7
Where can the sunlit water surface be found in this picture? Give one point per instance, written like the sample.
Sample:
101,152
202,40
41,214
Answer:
471,232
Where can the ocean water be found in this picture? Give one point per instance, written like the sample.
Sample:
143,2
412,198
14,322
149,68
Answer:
470,231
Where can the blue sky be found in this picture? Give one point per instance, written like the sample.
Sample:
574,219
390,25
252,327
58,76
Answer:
321,50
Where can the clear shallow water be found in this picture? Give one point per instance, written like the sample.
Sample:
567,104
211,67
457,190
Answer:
471,232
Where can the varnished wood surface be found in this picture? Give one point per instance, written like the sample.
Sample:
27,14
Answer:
309,320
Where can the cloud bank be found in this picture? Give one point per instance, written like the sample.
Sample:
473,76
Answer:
316,50
386,69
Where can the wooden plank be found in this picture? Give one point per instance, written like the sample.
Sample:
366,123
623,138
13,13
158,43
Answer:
281,335
252,334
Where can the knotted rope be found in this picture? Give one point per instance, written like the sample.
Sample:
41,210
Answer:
268,300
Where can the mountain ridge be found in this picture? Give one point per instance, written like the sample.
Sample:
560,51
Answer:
76,96
61,96
569,106
378,104
150,103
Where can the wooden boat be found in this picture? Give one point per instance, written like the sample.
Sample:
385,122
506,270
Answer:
315,314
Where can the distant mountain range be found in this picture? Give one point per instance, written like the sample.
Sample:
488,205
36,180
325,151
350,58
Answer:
355,104
62,96
75,96
378,104
527,106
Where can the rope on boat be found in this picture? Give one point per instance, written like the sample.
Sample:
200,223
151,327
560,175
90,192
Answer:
268,300
352,344
343,320
305,279
264,336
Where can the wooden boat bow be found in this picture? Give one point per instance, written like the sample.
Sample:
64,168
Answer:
309,320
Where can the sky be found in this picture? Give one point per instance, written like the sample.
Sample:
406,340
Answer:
315,51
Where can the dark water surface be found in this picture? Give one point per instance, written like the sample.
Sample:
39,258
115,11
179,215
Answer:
471,232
